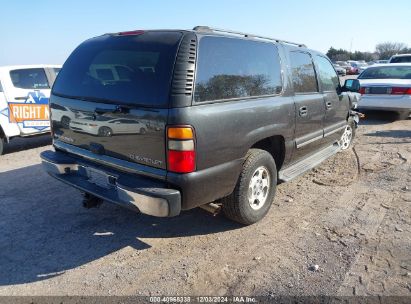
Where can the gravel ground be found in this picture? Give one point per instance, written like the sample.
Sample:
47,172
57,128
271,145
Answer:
343,228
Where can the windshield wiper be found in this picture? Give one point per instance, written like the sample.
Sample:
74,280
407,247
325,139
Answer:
117,109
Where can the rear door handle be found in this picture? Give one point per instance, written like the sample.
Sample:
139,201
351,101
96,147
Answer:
329,105
303,111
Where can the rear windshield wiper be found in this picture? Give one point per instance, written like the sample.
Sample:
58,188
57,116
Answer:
116,109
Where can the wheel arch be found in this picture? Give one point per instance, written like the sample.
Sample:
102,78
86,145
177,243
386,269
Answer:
3,134
275,145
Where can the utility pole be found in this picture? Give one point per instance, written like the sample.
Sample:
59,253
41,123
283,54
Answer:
351,45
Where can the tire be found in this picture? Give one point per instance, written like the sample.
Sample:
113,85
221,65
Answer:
143,131
403,115
65,122
348,135
259,173
1,145
105,132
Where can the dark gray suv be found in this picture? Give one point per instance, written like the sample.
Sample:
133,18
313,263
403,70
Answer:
167,120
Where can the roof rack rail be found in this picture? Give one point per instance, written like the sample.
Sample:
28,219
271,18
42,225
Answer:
202,28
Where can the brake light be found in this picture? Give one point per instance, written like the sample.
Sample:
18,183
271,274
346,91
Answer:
362,90
181,154
131,33
400,91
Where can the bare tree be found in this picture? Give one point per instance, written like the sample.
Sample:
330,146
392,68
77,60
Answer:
386,49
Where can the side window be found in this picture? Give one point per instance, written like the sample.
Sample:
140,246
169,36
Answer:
235,68
29,79
56,71
328,78
303,73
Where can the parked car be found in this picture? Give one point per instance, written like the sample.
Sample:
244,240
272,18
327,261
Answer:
259,111
24,95
386,87
357,68
340,70
378,62
400,58
361,67
345,65
107,126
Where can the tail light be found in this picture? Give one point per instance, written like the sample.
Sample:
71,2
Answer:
181,154
391,91
400,91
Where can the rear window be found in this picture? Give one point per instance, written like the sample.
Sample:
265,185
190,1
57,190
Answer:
235,68
29,79
387,72
133,70
400,59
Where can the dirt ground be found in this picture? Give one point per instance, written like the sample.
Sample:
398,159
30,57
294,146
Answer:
343,228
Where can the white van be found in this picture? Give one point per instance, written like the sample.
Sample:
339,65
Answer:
24,96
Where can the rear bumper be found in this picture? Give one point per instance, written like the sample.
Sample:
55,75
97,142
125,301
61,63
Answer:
144,194
388,103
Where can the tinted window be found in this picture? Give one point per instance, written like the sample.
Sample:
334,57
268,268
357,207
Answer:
302,73
56,71
387,72
401,59
328,78
29,79
234,68
122,69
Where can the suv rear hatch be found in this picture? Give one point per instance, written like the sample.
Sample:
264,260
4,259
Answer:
112,95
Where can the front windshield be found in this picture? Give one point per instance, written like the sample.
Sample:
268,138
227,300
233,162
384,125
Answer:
387,72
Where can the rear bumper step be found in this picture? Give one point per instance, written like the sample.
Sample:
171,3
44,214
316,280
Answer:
134,192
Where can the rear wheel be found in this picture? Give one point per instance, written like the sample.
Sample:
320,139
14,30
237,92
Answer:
142,131
255,189
105,131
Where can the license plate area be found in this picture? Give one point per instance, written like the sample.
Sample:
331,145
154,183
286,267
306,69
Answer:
100,178
379,90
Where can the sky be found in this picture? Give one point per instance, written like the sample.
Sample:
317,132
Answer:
45,31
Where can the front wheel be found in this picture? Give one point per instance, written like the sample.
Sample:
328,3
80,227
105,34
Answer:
348,135
255,189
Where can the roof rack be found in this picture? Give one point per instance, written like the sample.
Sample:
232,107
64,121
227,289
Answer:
202,28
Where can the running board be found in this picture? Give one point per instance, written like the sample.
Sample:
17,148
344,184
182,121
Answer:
306,164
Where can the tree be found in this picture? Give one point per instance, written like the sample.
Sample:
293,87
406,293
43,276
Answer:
386,49
367,56
338,55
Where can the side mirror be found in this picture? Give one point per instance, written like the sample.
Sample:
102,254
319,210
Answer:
351,85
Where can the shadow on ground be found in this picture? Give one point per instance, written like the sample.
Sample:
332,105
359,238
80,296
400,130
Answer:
391,134
45,231
378,117
19,143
